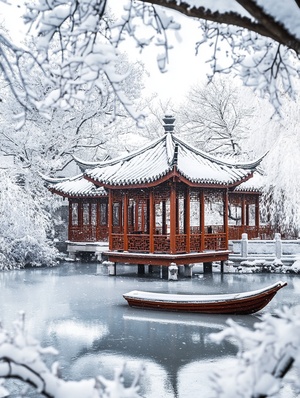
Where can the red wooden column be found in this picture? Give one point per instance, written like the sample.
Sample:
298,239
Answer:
125,221
173,219
225,218
187,219
136,217
257,215
80,219
151,221
243,205
70,221
110,219
202,219
164,218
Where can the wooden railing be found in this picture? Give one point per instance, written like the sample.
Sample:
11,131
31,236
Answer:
262,232
88,233
215,242
140,243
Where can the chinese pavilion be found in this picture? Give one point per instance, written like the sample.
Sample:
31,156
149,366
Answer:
164,203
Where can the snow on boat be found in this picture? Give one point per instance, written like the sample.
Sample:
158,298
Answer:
234,303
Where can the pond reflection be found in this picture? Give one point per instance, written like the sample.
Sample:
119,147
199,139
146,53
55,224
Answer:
81,312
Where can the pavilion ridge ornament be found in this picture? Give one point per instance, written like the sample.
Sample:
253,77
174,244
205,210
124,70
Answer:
169,124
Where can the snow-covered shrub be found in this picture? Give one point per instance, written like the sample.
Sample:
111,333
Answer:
23,227
22,357
266,354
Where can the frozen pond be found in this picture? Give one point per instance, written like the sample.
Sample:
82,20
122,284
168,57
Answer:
81,312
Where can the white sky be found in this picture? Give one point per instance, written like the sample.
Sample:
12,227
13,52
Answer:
184,68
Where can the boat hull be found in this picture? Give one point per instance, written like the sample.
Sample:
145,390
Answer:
239,304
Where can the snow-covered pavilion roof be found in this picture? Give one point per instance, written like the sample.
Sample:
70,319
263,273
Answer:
76,186
157,159
255,184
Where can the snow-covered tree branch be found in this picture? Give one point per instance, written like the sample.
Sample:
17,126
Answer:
265,357
76,45
22,357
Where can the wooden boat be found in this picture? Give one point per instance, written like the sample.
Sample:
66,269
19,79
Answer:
234,303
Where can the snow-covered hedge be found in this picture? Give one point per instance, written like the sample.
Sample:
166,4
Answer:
23,227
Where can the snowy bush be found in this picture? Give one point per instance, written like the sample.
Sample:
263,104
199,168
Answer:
22,357
266,354
23,227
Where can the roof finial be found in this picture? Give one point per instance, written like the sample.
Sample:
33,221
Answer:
169,126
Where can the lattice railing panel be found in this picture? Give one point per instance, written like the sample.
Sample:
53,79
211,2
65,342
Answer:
117,242
102,234
180,243
161,244
139,243
215,242
82,234
195,242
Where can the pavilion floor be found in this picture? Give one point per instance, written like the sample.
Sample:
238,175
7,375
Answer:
166,259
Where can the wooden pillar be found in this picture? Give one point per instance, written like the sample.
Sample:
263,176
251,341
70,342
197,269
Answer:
222,267
151,221
173,212
136,218
70,221
80,215
225,218
207,268
187,219
141,269
125,221
243,208
142,204
247,214
257,215
202,219
177,215
164,218
110,219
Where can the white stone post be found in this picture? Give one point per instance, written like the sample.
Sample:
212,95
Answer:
278,246
244,246
172,272
111,267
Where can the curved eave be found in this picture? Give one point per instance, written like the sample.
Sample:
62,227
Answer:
172,174
247,192
252,165
122,158
55,180
76,196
